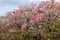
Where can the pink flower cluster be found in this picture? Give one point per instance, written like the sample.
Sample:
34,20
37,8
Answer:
26,16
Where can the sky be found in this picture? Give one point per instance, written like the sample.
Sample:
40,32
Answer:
8,5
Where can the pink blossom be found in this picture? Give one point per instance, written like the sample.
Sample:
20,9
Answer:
24,26
11,30
32,22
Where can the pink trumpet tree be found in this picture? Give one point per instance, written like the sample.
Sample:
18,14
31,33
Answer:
29,16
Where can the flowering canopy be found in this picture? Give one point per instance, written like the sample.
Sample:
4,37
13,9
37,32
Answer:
30,16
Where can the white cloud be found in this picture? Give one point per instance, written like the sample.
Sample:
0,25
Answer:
57,0
37,0
34,0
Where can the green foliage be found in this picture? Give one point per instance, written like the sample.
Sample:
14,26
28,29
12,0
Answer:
29,34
